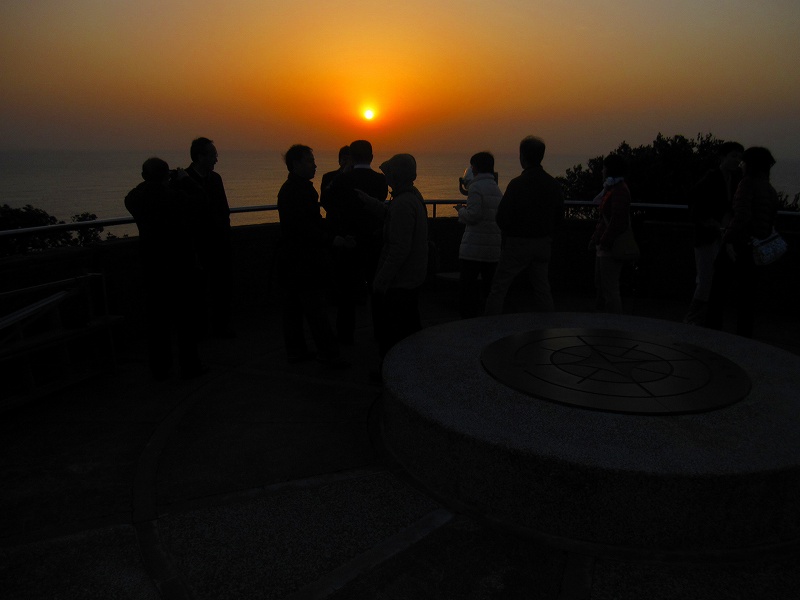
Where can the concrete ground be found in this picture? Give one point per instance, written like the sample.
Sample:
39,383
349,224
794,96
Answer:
269,480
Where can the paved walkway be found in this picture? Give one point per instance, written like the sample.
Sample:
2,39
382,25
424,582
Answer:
269,480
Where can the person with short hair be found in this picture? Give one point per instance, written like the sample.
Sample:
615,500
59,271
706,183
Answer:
528,215
479,251
369,230
710,204
345,161
168,257
303,262
213,236
356,262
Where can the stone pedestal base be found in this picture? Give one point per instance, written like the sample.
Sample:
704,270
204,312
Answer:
721,481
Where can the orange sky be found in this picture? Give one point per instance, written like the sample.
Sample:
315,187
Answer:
439,75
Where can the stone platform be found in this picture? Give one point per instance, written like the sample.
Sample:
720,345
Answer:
722,482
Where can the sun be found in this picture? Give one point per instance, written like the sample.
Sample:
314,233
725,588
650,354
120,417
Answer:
369,114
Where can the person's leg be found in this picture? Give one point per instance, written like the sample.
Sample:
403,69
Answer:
513,260
370,253
346,283
399,317
469,298
410,321
380,321
600,301
487,276
704,257
747,283
159,336
292,320
539,273
220,288
183,290
607,273
720,280
314,311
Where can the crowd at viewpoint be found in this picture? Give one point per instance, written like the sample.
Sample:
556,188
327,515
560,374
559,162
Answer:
372,244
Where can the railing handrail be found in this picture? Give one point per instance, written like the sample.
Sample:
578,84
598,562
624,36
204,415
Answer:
114,221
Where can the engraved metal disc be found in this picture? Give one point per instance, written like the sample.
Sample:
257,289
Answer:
617,371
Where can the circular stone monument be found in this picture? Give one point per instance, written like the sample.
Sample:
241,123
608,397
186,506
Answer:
608,432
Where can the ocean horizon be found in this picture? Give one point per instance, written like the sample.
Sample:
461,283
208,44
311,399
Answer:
67,183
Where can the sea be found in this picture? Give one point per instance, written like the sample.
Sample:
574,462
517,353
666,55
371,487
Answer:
67,183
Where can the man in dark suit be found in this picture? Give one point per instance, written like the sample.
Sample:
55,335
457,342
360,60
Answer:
168,267
354,267
302,262
345,164
213,232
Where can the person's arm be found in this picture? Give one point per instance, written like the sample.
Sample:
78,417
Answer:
373,206
742,214
558,201
505,210
472,213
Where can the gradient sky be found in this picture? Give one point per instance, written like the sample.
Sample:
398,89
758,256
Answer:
439,74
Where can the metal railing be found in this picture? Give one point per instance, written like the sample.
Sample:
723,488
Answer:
110,222
114,221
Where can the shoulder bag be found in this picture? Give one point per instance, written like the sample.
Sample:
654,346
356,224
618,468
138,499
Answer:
768,250
625,247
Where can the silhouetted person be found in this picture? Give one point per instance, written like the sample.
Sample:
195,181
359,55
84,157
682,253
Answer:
213,235
615,218
345,164
303,262
403,263
710,205
369,232
344,279
169,269
355,263
736,276
480,244
528,215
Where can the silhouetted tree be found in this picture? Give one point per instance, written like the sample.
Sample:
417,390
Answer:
87,235
659,173
28,217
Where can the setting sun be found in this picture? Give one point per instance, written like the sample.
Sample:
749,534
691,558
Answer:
368,114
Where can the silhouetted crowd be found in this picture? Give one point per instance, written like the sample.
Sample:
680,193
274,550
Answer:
371,249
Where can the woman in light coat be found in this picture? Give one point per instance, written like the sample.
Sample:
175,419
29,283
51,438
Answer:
480,244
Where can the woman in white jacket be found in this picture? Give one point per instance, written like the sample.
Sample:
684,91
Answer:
480,245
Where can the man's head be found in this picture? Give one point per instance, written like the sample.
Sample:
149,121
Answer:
531,152
730,155
361,151
155,170
615,165
482,162
345,159
203,154
757,161
299,160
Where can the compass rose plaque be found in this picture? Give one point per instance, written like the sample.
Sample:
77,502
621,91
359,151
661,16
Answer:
617,371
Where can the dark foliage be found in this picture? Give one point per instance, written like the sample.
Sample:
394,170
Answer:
28,217
660,173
